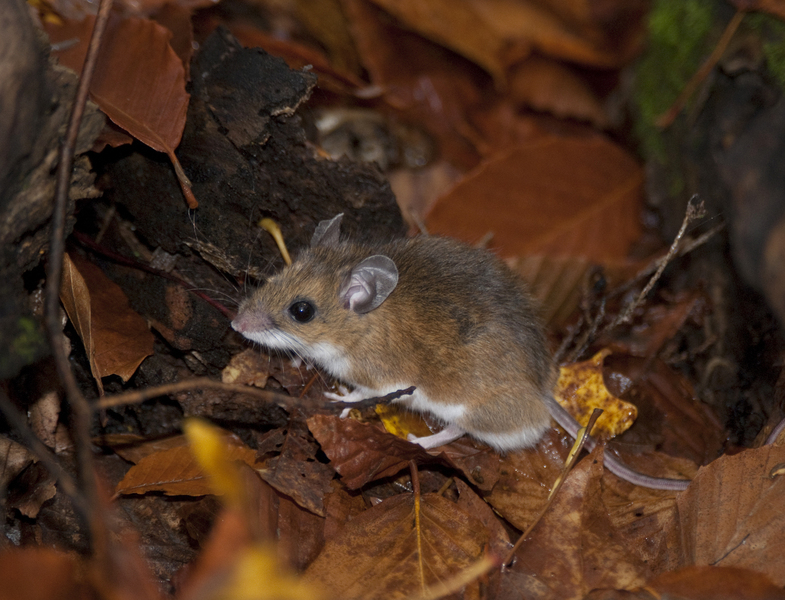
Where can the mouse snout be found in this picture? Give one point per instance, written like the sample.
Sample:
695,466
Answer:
248,322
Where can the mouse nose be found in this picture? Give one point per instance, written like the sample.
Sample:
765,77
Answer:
247,322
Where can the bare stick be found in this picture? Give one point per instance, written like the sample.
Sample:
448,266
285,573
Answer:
137,396
695,210
82,414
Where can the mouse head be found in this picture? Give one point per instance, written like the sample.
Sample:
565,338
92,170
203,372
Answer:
322,297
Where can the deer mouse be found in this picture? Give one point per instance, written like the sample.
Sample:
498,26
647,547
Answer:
428,312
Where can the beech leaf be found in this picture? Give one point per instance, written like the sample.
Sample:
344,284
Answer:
175,471
556,196
120,336
382,553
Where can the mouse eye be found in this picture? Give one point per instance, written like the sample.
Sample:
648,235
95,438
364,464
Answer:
302,311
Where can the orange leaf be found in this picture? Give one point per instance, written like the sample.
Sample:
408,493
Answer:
563,197
175,471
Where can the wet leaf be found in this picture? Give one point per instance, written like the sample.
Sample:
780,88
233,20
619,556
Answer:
558,196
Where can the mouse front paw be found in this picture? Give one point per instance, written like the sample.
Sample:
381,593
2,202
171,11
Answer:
354,396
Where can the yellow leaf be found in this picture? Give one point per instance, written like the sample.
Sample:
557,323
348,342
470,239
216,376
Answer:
581,389
401,422
210,449
259,576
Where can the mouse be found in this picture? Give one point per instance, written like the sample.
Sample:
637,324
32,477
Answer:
430,312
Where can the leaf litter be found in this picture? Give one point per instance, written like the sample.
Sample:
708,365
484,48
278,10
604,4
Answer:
318,506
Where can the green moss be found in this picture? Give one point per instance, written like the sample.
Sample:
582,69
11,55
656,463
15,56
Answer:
772,33
27,344
677,45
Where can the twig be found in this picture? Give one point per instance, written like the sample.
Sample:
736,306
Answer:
82,414
669,116
591,333
575,452
695,211
137,396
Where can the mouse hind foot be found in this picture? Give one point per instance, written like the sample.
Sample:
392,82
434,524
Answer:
445,436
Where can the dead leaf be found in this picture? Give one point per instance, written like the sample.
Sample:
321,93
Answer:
14,458
361,452
75,297
557,196
581,388
383,553
572,31
175,471
670,417
21,572
121,337
556,281
549,86
526,478
295,470
575,547
250,367
731,515
139,81
455,25
716,583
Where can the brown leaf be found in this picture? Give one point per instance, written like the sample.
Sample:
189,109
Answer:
605,37
455,25
175,471
21,573
376,554
716,583
177,19
296,472
557,282
549,86
526,477
774,7
419,79
670,417
120,335
360,453
75,297
558,196
575,547
731,515
14,458
139,81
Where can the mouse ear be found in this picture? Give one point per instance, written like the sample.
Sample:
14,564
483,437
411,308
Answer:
327,233
369,284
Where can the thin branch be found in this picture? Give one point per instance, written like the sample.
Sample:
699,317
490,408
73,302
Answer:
82,414
137,396
695,210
